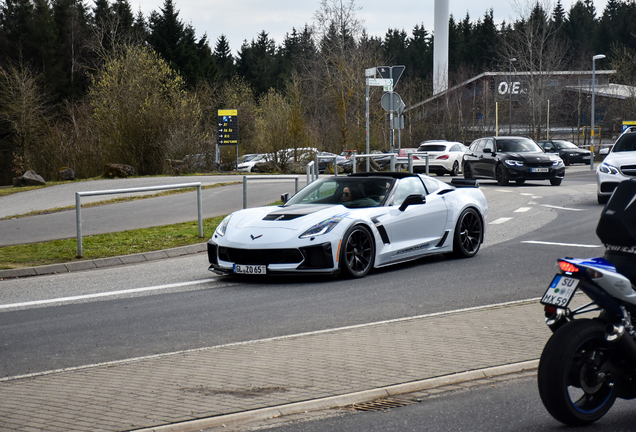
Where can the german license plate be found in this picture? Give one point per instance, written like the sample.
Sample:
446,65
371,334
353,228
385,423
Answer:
250,269
560,291
539,169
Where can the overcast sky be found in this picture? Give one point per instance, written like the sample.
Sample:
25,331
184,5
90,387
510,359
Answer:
241,20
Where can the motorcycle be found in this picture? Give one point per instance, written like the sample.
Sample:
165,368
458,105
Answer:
589,362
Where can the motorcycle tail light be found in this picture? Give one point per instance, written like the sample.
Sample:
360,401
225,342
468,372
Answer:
567,267
550,310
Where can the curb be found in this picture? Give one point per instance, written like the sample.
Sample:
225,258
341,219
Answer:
103,262
343,400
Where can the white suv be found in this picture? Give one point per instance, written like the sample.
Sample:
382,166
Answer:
619,165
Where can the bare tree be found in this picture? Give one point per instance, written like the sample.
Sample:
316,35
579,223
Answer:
341,64
538,54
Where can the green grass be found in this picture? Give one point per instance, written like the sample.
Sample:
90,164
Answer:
107,245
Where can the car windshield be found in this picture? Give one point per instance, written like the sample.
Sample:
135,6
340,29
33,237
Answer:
625,143
432,147
564,145
517,145
352,192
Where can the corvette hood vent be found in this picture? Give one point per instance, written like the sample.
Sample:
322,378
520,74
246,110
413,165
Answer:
293,212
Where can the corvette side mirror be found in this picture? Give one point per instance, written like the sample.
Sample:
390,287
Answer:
414,199
284,197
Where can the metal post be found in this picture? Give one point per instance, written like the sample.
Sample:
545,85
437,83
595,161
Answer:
78,220
244,192
200,211
510,97
391,131
353,162
596,57
411,163
296,188
368,151
393,158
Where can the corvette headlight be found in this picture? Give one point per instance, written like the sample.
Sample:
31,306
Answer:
514,163
323,227
220,230
608,169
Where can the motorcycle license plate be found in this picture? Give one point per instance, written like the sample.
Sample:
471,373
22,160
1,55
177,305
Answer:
560,291
250,269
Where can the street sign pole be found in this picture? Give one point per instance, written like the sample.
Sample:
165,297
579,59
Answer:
391,113
370,72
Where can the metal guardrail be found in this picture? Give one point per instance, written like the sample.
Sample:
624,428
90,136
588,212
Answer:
266,177
79,195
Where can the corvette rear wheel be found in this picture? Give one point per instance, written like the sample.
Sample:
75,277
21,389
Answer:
357,251
468,234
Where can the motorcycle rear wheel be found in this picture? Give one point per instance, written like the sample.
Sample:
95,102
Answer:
570,386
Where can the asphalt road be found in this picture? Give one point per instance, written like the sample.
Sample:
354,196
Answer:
509,406
176,304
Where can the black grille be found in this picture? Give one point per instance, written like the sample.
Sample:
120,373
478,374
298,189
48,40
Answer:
317,257
629,170
212,250
543,164
260,256
608,186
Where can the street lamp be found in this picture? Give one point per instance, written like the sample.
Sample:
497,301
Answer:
510,96
596,57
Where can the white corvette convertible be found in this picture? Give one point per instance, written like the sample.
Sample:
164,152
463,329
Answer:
351,224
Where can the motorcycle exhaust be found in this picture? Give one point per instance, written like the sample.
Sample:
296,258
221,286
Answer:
625,343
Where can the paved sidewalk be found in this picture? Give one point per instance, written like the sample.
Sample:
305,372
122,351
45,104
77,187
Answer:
196,389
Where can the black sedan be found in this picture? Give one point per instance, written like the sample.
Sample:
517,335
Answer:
567,151
511,158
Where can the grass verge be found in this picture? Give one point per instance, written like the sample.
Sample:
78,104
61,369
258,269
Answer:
107,245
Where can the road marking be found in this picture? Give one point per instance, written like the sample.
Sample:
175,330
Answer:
104,294
560,208
279,338
525,194
562,244
504,190
499,221
522,209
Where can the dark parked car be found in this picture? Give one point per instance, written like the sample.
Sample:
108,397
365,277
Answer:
511,158
567,151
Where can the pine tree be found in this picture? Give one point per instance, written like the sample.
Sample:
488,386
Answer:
224,59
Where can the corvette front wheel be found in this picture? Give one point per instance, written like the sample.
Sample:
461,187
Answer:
468,234
357,252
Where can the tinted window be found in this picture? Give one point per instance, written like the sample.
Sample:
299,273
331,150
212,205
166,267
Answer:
480,146
517,145
626,142
562,145
432,147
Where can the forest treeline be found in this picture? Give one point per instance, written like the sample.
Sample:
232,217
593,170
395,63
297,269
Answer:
84,85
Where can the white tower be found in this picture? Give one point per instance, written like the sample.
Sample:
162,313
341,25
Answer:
440,46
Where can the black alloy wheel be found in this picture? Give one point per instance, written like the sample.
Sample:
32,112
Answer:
468,234
358,251
502,175
468,172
